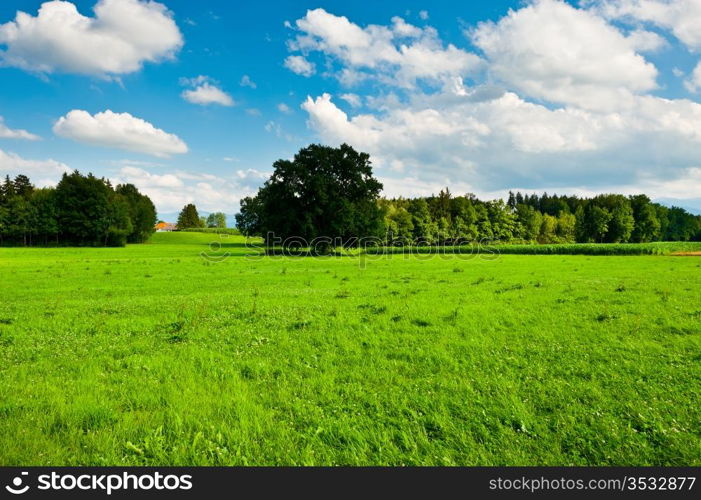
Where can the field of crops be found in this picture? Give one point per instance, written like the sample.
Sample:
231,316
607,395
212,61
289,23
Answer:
181,352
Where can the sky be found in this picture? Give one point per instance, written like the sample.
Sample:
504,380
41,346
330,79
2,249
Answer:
194,101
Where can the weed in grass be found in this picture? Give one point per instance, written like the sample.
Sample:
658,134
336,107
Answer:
605,316
422,323
300,325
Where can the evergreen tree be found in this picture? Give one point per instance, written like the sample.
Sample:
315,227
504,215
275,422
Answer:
189,218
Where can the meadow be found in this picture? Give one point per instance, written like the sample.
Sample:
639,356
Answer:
155,355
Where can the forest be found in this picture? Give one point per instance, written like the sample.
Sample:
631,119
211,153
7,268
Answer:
607,218
82,210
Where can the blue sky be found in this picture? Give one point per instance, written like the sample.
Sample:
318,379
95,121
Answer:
195,100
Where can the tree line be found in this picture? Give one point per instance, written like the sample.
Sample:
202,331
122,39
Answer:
81,210
607,218
329,192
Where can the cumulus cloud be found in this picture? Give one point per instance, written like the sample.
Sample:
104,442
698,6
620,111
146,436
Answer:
122,35
170,191
506,141
205,91
135,174
550,50
42,172
8,133
693,83
118,130
566,103
300,66
400,52
681,17
206,94
284,108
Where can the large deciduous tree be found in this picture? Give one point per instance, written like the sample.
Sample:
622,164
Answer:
323,192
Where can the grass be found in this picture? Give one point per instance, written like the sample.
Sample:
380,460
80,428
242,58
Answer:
154,355
657,248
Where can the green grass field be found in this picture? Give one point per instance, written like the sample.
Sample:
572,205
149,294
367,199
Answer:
151,354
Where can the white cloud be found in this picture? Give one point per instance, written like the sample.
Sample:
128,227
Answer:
693,83
681,17
423,14
139,175
553,51
205,91
119,39
171,191
8,133
506,141
118,130
401,53
41,172
247,82
207,94
300,66
352,99
284,108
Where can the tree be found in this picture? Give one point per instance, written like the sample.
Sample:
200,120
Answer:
141,211
4,222
566,227
250,219
46,218
682,225
529,220
120,225
83,209
323,192
599,219
216,219
22,186
7,190
424,228
503,222
398,221
548,229
189,218
20,219
647,225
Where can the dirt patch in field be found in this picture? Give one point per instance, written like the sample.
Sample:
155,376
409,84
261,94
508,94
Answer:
687,254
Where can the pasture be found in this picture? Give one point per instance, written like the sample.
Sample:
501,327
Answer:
154,355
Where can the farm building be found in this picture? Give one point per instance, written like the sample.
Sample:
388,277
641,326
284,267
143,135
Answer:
162,227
